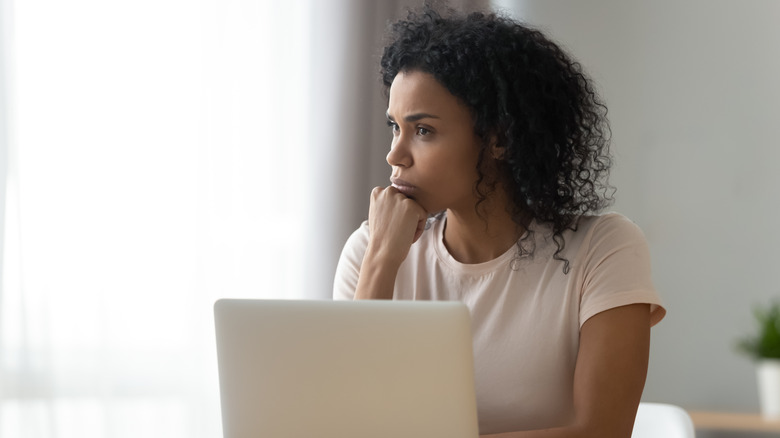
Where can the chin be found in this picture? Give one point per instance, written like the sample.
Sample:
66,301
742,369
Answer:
427,206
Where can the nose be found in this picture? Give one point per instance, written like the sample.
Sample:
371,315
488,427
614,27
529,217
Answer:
399,155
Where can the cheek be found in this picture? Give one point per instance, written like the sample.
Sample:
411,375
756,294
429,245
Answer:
456,178
467,166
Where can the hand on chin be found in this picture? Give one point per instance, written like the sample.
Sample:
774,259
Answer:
395,221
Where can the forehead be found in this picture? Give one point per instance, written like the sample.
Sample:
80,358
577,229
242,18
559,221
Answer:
415,91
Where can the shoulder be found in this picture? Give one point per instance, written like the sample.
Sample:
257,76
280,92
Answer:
605,231
355,247
358,240
613,262
348,268
596,238
607,223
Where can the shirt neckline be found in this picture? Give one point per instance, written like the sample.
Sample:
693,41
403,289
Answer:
474,269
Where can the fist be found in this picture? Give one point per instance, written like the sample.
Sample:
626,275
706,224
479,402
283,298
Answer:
395,223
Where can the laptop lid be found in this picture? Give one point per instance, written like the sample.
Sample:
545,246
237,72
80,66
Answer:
345,369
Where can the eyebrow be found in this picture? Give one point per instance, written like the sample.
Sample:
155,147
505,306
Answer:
414,117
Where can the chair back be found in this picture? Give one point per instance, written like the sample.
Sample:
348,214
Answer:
660,420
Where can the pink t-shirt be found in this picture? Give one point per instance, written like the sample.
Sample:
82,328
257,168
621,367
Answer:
526,313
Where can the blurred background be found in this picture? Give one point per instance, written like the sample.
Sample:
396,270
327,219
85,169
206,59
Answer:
156,155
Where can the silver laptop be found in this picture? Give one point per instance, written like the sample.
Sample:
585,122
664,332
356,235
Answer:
345,369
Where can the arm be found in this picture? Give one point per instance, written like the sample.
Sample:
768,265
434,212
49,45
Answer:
395,223
609,376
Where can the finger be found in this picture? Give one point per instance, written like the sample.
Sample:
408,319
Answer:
376,192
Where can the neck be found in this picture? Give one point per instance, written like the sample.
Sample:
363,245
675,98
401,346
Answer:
477,238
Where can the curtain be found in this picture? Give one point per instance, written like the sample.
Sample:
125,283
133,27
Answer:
162,154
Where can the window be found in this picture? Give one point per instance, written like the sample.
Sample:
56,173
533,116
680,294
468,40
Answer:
157,161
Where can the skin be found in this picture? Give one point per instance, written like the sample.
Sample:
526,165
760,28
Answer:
434,155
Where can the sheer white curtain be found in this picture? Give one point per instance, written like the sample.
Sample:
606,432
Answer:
162,154
147,166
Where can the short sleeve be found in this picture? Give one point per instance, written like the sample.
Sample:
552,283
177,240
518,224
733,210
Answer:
348,268
617,269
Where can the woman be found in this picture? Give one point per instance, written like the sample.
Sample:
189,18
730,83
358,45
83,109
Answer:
499,162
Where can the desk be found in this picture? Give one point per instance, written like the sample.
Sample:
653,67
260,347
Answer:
727,421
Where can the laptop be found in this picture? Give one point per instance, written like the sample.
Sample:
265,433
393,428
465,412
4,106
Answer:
346,369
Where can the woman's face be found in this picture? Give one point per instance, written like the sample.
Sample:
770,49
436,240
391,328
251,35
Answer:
434,152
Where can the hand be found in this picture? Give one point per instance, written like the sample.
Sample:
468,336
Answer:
395,223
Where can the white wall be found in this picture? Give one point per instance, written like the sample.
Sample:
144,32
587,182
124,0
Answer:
693,90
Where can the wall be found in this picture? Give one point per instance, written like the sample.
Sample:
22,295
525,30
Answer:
694,99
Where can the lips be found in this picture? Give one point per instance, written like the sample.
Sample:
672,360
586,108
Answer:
403,186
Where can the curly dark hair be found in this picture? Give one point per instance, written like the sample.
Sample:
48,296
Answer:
527,96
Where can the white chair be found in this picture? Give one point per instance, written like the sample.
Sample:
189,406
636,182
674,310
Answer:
660,420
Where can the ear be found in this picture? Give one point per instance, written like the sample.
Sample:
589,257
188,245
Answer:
496,151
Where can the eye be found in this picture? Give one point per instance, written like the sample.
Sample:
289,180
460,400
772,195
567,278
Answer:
422,131
393,126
